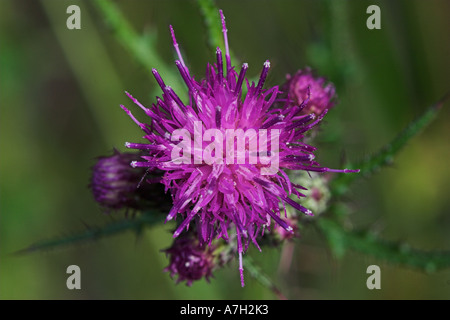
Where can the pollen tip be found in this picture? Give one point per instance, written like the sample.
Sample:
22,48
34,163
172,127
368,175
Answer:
222,18
267,64
130,96
133,164
245,65
127,145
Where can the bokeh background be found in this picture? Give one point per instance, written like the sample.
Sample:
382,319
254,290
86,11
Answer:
60,96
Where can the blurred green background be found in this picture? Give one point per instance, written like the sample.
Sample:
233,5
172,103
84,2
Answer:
60,96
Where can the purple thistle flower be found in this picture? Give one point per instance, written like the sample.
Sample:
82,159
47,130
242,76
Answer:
304,86
189,260
226,197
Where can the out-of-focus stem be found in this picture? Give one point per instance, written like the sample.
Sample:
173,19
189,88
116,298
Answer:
262,278
138,46
91,65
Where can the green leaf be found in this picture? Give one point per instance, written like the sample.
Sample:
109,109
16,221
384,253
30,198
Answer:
386,155
92,233
341,240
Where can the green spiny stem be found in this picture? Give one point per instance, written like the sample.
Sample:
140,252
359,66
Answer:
261,277
385,156
341,240
212,20
96,232
211,17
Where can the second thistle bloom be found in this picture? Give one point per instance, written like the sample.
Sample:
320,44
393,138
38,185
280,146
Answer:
116,185
189,260
305,86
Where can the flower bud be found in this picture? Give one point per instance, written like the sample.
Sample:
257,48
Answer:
116,185
321,95
317,191
189,260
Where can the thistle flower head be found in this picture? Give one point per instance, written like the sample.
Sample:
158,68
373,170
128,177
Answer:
114,182
224,152
189,260
116,185
304,86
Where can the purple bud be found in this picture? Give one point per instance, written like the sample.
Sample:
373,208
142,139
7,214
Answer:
304,86
116,184
190,260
